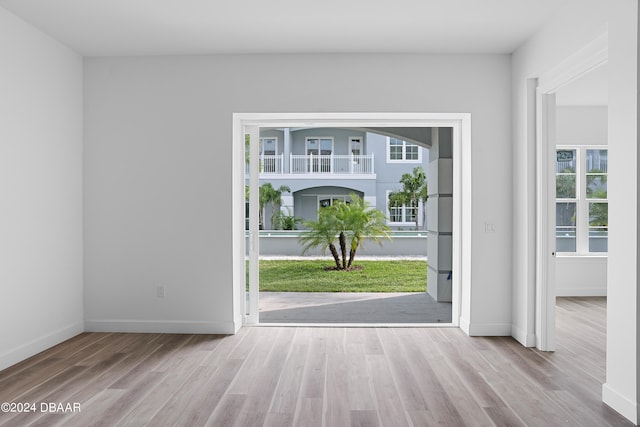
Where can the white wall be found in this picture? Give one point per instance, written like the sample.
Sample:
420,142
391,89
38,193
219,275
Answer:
158,171
581,125
41,191
566,34
581,275
623,385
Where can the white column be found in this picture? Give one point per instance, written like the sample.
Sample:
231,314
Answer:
440,215
286,164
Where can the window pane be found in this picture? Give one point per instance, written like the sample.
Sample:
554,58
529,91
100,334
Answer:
410,214
395,214
566,161
596,167
326,146
312,146
395,152
598,227
597,161
566,227
565,186
411,152
596,186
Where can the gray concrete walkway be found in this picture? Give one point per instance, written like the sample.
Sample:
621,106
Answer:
339,307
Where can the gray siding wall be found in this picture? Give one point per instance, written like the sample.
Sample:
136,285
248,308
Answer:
340,139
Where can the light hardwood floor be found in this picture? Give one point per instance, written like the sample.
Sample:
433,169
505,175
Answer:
278,376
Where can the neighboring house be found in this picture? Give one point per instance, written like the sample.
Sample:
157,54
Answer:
322,165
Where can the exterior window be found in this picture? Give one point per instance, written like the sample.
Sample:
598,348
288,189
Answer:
582,221
403,215
269,146
320,146
320,150
326,201
403,151
355,145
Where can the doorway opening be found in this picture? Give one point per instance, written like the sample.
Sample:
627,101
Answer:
571,182
246,304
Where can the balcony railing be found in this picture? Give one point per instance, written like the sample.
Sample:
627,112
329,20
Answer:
317,164
272,163
331,164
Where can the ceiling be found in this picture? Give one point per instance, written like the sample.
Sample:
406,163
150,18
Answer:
178,27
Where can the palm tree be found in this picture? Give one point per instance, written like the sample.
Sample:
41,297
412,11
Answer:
414,191
270,195
348,222
322,233
360,221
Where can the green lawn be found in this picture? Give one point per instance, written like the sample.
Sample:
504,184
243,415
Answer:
312,276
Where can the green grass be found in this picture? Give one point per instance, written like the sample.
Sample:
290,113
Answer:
312,276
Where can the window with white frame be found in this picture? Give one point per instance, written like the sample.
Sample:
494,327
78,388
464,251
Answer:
402,151
403,215
582,219
269,146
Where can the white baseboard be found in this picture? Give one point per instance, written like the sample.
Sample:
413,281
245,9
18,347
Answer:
159,326
39,344
485,329
489,329
581,292
619,403
520,335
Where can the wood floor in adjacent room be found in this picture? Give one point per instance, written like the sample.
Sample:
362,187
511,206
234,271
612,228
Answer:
279,376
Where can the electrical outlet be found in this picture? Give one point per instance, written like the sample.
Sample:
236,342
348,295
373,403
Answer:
489,227
161,292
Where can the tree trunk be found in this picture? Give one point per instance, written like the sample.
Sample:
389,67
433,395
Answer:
352,256
336,257
343,249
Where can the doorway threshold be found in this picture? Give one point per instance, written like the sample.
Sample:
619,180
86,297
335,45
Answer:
355,325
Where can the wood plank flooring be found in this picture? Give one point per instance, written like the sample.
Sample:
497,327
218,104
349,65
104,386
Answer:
275,376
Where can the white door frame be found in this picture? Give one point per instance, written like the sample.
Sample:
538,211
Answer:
587,59
251,122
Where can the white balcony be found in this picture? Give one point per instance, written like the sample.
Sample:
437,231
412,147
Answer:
317,164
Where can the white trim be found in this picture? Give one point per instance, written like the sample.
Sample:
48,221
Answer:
489,329
250,312
546,222
404,153
521,335
462,200
620,403
39,344
159,326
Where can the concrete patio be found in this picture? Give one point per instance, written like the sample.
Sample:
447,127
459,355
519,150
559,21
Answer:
338,307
